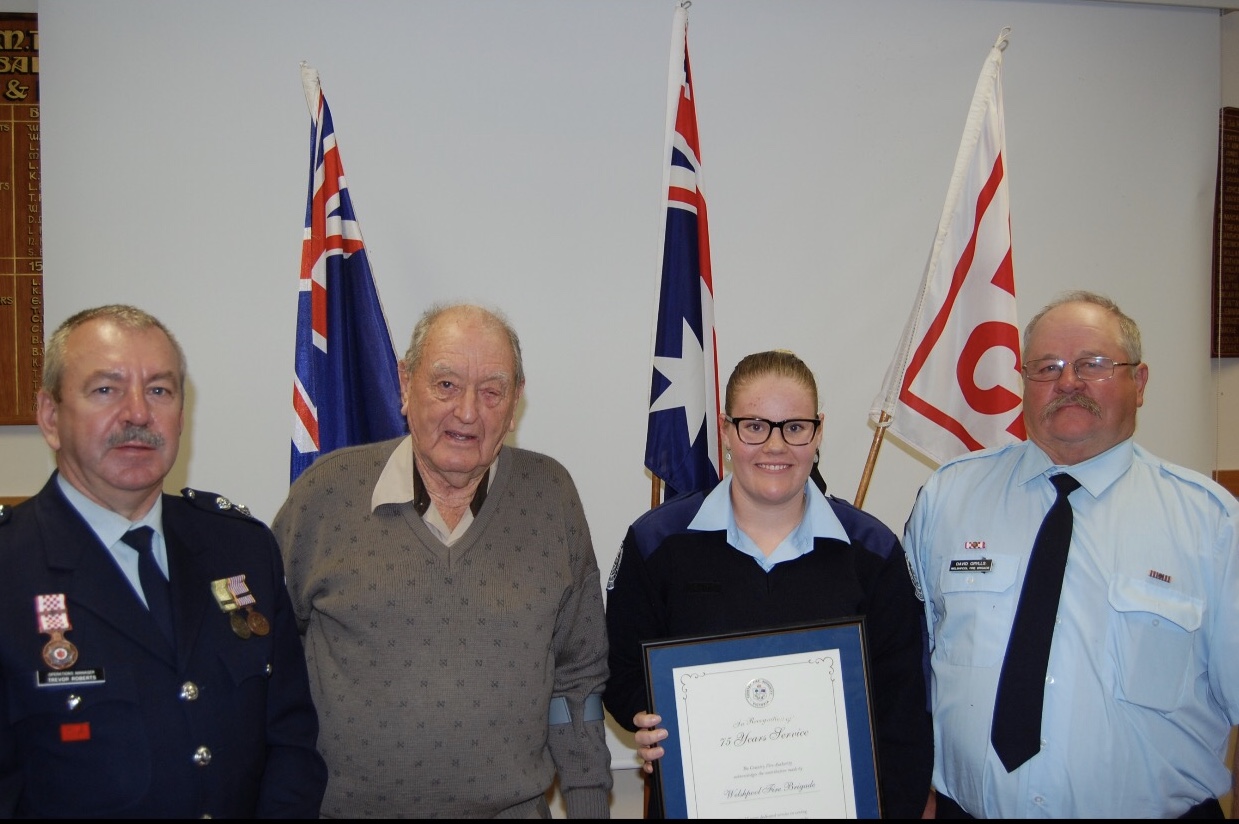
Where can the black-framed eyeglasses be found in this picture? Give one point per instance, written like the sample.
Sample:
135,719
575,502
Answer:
795,431
1086,369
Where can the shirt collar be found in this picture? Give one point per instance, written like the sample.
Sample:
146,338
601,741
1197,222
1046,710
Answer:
1096,474
819,519
108,525
421,495
400,482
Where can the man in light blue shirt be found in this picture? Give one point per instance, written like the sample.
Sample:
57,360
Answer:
1142,685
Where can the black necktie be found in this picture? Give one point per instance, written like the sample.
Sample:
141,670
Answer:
154,585
1016,730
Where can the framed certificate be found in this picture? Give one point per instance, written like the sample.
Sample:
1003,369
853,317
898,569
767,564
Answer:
768,724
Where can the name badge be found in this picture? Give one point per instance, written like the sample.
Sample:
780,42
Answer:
71,677
972,565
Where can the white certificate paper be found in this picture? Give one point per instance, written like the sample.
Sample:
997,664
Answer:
766,737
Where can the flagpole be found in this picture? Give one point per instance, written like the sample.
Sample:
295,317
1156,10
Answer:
871,461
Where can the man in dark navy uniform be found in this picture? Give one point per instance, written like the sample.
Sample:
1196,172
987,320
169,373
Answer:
149,661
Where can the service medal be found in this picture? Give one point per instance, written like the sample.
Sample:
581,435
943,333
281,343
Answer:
53,619
240,625
58,653
255,620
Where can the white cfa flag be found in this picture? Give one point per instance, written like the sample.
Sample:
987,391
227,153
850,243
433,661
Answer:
954,384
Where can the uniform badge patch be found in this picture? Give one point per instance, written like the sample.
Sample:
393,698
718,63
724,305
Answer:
619,556
75,732
916,584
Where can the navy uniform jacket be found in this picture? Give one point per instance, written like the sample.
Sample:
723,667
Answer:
225,728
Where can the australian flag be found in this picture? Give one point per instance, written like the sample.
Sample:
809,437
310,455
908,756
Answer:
682,440
345,387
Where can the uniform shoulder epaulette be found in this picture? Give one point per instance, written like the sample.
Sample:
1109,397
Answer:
214,502
1220,494
671,517
864,528
980,453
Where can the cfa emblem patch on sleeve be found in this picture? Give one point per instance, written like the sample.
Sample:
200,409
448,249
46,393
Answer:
619,556
916,584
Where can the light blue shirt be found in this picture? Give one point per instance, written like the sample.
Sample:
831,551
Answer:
818,521
111,527
1142,686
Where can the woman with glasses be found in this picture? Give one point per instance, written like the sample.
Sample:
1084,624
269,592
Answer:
765,549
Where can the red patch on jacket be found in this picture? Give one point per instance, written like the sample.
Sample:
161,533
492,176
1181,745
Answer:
75,732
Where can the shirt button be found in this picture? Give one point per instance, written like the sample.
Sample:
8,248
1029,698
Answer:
202,756
1049,679
189,691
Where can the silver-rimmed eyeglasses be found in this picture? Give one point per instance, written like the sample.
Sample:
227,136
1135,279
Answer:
1086,369
795,431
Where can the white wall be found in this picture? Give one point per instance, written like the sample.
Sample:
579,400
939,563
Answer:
510,152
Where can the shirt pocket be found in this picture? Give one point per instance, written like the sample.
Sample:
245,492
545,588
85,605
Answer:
83,747
1152,629
975,611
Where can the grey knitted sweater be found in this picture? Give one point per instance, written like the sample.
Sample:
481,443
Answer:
433,667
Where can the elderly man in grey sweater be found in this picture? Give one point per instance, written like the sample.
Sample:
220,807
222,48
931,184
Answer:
448,593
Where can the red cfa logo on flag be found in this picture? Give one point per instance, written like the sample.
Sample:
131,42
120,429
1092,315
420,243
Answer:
954,384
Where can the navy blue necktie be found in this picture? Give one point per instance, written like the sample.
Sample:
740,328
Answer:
1016,730
154,584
